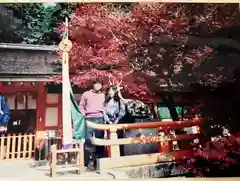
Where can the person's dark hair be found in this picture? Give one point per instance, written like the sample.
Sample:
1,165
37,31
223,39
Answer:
97,80
108,98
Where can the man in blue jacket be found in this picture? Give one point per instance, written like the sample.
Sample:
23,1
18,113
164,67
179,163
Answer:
4,113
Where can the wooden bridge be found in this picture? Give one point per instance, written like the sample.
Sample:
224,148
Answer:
164,139
165,142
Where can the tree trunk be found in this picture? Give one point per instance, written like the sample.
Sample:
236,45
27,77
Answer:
168,99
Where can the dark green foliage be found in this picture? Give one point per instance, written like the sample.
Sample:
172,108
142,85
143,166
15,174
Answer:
47,20
36,23
12,28
33,23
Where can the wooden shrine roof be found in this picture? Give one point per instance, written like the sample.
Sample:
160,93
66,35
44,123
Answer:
25,59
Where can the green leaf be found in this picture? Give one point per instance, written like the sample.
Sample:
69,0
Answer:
39,21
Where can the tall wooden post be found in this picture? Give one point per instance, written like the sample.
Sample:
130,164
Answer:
65,47
40,124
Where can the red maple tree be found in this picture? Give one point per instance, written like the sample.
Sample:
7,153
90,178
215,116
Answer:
147,46
98,48
150,47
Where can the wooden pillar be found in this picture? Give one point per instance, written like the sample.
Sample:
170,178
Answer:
165,146
114,149
40,119
53,165
80,157
156,110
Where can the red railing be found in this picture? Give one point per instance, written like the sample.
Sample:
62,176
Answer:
164,140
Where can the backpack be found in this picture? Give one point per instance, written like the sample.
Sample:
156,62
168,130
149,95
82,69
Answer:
5,117
4,106
2,101
135,109
138,109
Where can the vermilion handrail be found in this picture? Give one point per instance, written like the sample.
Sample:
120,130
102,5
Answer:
133,140
160,125
165,143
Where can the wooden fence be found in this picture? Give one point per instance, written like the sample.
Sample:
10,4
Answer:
16,146
165,142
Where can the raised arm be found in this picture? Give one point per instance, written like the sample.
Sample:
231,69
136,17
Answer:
124,101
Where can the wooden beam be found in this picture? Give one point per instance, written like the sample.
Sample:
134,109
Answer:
12,89
162,126
25,79
152,139
29,47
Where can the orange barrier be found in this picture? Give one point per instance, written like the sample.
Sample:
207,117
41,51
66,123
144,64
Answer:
164,139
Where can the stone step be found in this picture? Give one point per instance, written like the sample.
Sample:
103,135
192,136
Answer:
160,170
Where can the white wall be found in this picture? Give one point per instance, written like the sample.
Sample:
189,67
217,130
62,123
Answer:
51,117
31,104
52,113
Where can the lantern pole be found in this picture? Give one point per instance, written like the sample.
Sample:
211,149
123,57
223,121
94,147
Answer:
65,46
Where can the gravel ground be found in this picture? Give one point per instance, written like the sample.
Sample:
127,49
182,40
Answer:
22,170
